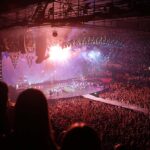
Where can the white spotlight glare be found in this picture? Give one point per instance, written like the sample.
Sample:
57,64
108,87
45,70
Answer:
58,54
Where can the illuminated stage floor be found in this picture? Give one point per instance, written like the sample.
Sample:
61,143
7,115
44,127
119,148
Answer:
69,89
76,92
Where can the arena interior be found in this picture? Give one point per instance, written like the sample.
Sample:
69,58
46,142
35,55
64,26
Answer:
91,59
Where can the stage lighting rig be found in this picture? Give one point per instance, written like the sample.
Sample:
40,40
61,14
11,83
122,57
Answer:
55,34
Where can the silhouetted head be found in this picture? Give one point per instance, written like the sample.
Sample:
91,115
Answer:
120,147
3,95
3,106
81,137
31,115
31,123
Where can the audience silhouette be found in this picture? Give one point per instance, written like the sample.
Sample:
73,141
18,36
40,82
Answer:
120,147
3,108
32,128
80,137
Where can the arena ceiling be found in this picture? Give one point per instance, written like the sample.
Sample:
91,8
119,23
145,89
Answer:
22,21
7,5
67,12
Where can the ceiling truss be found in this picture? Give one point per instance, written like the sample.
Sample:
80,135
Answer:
71,12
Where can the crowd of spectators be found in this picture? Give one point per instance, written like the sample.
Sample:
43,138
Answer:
113,125
128,93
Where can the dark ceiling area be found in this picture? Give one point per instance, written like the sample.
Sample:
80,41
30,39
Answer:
7,5
68,12
23,23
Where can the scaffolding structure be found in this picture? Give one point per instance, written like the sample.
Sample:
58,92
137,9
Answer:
68,12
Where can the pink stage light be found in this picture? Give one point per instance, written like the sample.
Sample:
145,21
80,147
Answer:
59,54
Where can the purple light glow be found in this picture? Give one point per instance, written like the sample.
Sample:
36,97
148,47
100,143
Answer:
75,61
51,69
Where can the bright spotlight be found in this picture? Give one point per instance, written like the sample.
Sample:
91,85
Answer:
58,54
94,55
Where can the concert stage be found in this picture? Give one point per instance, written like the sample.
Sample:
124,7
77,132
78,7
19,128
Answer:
66,89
